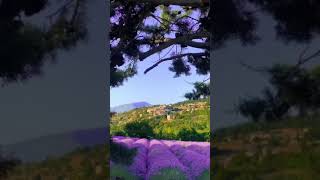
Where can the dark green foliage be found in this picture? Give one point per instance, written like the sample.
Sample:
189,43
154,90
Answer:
201,90
25,47
129,35
252,108
229,20
296,20
121,154
293,88
190,134
180,67
140,129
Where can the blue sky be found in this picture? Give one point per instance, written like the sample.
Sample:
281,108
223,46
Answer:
158,86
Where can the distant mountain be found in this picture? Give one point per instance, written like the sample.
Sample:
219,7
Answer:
58,144
129,107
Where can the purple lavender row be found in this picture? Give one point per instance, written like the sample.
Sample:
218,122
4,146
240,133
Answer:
160,157
139,165
197,163
126,141
199,147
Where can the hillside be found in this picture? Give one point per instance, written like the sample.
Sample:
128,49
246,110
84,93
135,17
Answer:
289,149
56,145
81,164
188,120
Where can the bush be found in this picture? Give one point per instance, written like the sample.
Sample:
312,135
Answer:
187,134
140,129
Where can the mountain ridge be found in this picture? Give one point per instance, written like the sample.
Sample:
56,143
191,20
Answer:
130,106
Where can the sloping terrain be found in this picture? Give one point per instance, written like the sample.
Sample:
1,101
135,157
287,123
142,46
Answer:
56,145
82,164
188,121
289,149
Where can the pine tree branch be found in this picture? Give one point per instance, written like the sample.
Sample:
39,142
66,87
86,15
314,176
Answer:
173,58
178,40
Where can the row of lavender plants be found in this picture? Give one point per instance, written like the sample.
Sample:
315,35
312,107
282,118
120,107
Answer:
156,159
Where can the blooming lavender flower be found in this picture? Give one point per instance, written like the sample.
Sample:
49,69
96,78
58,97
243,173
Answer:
139,165
161,157
125,141
197,163
204,150
191,158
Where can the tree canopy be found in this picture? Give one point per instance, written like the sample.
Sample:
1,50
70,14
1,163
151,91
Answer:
292,88
25,46
190,23
134,38
201,90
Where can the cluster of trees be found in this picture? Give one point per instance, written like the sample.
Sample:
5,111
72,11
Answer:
294,90
201,91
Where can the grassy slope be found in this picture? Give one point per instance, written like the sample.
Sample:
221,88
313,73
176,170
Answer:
288,149
164,129
82,164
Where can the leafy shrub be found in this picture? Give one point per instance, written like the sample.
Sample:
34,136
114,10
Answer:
140,129
187,134
118,133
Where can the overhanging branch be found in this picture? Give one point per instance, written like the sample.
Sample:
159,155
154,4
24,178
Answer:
179,40
173,58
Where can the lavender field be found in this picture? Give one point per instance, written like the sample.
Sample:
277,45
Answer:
166,159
